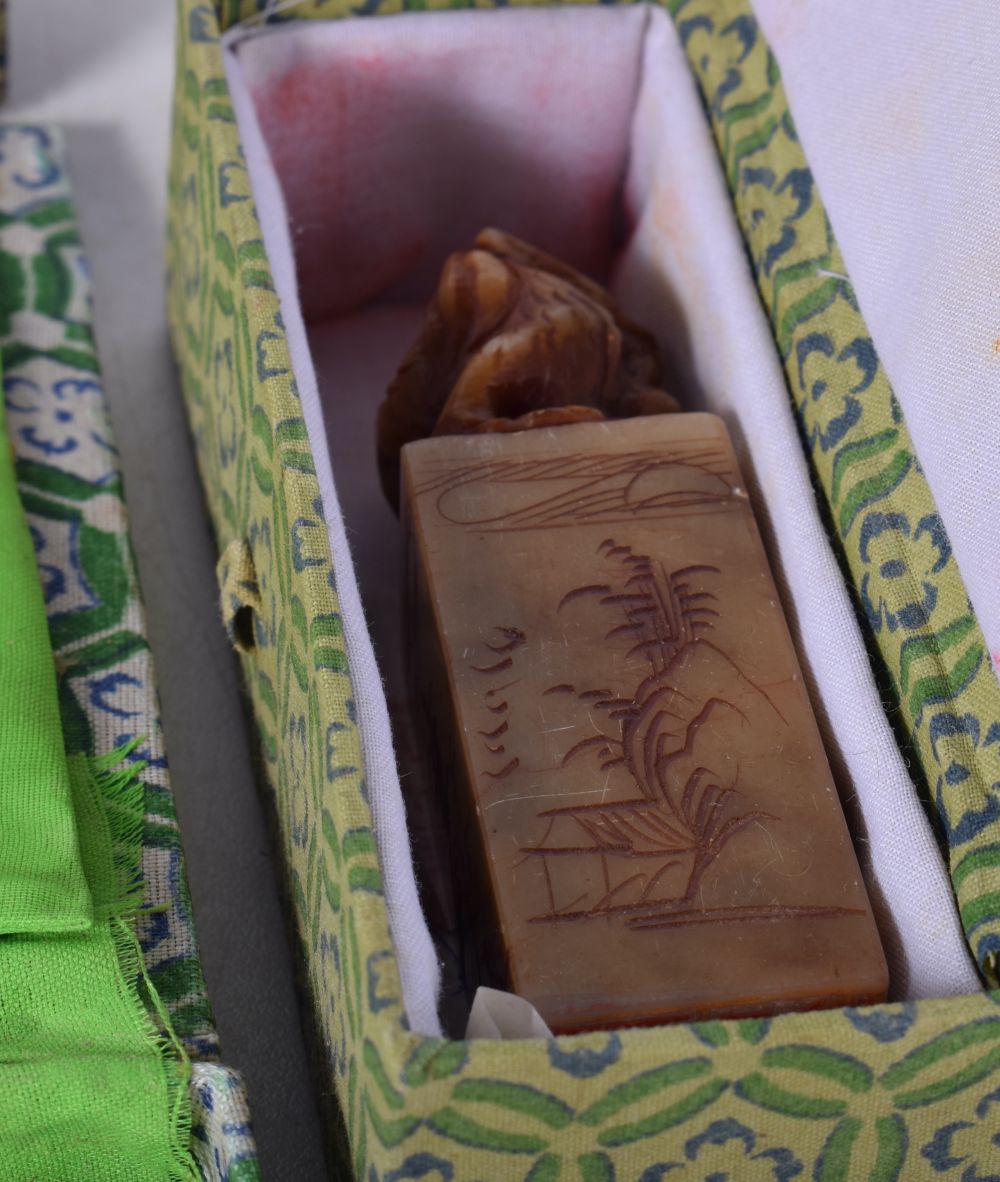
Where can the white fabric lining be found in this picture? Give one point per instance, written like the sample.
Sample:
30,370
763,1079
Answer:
684,271
906,160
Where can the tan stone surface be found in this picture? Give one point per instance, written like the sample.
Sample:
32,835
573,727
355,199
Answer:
626,741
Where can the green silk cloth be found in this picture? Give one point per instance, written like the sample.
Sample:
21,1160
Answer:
90,1086
42,884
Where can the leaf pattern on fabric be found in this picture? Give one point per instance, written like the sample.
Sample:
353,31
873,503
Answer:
831,1095
70,486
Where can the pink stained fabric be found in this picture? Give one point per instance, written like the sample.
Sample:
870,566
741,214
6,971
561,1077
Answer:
389,145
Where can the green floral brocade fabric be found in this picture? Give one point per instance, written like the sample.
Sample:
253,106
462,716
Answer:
71,490
89,1086
896,1091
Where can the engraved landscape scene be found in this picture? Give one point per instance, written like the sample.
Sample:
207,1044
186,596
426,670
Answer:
668,734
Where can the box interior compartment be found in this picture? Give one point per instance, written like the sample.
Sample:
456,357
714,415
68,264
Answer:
391,143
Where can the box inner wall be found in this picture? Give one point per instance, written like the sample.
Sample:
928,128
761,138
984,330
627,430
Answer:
393,150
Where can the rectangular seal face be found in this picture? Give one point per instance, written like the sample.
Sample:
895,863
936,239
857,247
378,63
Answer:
644,820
